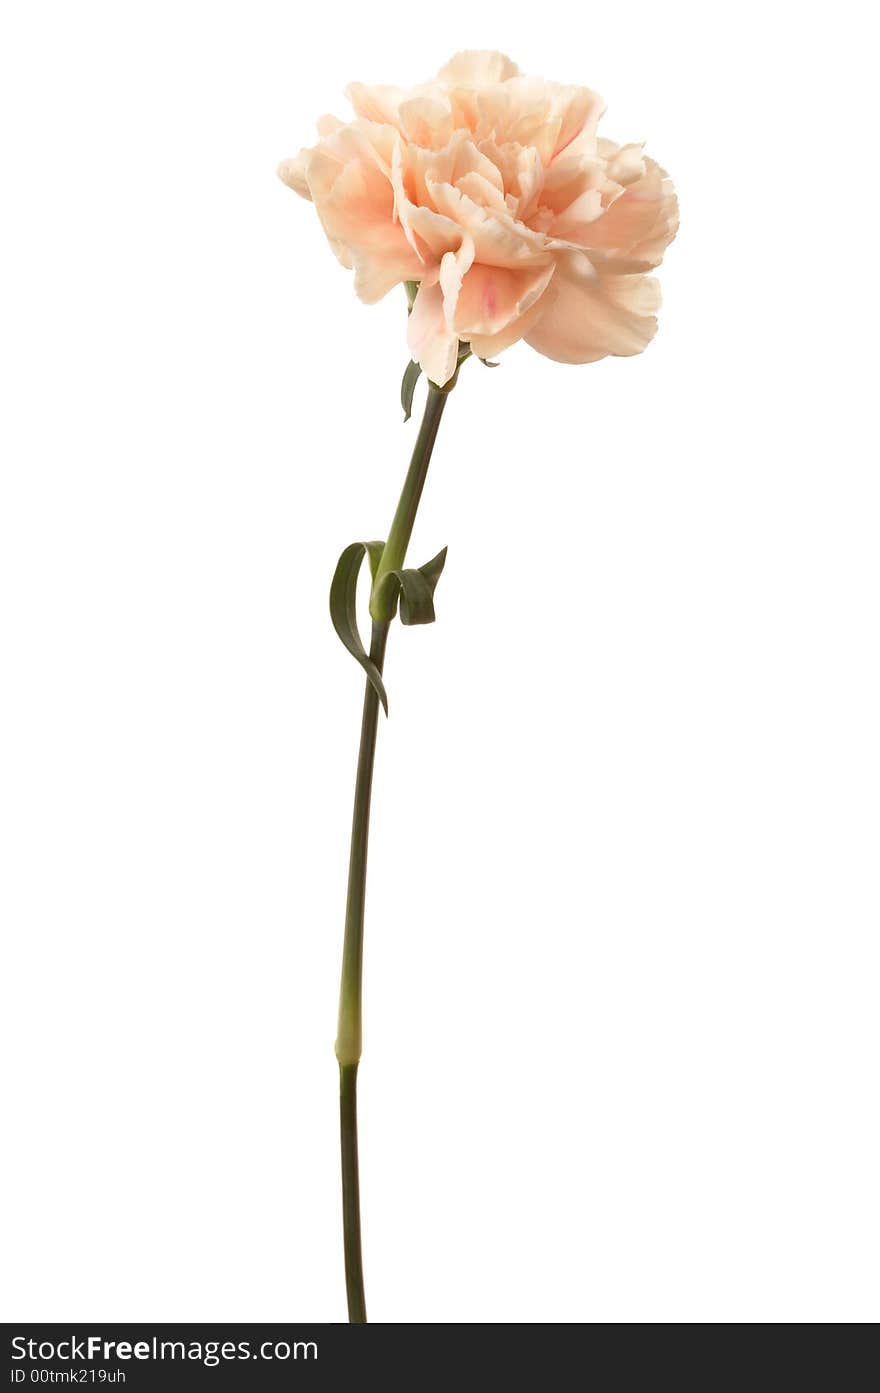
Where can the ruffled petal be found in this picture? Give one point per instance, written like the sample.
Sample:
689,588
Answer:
594,316
432,343
425,121
488,345
521,175
499,239
476,68
492,297
293,173
453,268
381,104
329,125
624,163
429,233
544,115
348,176
638,225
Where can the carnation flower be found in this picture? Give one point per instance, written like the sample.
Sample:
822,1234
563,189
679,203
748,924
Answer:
493,199
494,192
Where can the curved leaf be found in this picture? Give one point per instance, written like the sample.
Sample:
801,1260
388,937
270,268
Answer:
415,588
407,387
433,569
343,607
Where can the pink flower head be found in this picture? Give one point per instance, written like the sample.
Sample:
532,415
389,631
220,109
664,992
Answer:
494,192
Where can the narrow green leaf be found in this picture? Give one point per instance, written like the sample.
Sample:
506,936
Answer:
343,607
433,569
374,552
407,388
415,588
416,598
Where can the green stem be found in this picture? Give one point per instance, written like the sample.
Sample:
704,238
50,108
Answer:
348,1040
382,607
348,1037
351,1195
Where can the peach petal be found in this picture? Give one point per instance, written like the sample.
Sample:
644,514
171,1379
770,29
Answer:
355,203
431,342
293,173
633,216
329,124
499,239
426,121
492,297
453,269
482,192
625,163
474,67
381,104
487,345
594,316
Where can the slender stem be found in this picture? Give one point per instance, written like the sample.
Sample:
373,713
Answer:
381,608
348,1040
351,1194
348,1037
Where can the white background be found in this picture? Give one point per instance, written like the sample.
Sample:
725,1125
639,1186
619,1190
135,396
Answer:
621,981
